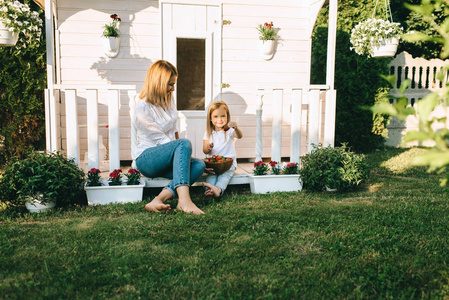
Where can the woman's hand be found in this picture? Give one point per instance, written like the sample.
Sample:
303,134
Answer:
209,170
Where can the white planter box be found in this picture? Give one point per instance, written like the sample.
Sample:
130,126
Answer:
274,183
105,194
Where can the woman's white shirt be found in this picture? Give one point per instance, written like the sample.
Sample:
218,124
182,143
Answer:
222,146
155,125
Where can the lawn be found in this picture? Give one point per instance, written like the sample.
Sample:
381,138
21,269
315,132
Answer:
388,239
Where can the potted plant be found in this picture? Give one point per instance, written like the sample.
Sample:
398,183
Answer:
102,191
17,21
41,181
285,179
376,37
328,168
267,36
111,36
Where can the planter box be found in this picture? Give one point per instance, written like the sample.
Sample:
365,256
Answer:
274,183
105,194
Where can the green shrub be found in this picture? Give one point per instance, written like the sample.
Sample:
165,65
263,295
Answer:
334,168
22,84
53,175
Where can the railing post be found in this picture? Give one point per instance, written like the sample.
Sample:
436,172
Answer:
276,136
259,95
92,128
329,118
296,114
314,118
114,129
72,125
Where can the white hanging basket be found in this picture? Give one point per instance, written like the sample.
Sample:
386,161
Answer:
387,48
266,49
7,38
111,46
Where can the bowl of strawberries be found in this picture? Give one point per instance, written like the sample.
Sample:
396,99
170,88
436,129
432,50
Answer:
218,163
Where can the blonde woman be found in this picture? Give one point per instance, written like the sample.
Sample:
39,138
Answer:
160,152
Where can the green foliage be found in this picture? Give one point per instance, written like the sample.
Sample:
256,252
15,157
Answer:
355,90
333,168
428,114
52,175
359,88
22,84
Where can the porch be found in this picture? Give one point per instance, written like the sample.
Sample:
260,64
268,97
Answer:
309,110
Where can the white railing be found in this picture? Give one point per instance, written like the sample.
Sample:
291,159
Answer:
423,76
319,119
421,72
316,133
72,123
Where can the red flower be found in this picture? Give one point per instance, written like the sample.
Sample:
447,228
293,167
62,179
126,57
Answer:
115,173
133,171
273,163
94,171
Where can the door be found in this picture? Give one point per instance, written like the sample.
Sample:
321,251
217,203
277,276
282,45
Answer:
191,40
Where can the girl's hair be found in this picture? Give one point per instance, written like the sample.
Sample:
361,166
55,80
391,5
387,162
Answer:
213,106
155,88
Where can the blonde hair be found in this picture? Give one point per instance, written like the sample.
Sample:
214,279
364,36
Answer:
155,88
213,106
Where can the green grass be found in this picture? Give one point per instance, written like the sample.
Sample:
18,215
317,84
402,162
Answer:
388,240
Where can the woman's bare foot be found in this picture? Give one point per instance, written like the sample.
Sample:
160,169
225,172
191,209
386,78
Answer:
185,203
158,206
190,208
213,190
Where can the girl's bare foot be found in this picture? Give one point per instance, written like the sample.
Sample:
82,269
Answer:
213,190
158,206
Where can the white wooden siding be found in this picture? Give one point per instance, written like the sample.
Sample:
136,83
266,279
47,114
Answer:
82,60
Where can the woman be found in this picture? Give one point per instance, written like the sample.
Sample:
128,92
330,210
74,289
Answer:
160,152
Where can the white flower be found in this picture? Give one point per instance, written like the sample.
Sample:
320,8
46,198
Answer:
20,19
367,34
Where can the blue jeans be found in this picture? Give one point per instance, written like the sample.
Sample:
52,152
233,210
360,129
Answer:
221,180
171,160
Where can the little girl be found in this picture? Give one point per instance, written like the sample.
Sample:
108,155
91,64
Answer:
219,140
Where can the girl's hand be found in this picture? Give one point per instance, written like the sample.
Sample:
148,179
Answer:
232,124
210,146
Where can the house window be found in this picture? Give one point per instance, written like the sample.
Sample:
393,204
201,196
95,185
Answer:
191,64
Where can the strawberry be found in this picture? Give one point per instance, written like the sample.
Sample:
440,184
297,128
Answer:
226,127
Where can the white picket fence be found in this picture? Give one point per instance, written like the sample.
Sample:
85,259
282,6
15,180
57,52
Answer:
320,103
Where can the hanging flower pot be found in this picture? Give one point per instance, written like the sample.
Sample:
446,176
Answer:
7,37
111,37
386,48
369,35
266,49
17,20
267,36
111,45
